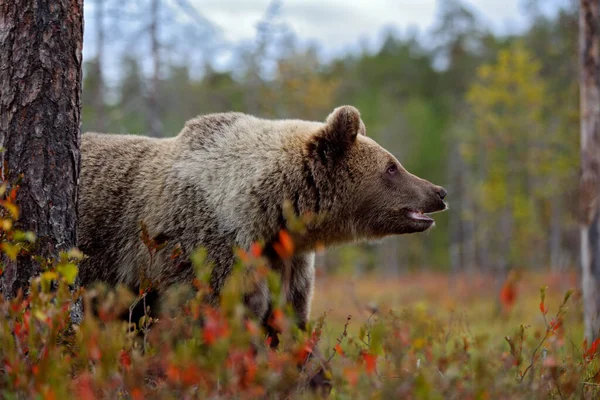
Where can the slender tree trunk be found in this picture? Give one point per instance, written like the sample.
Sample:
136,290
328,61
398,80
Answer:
555,242
154,121
99,98
589,188
40,109
456,222
389,254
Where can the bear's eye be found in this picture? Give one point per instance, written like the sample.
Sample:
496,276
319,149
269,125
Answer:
392,169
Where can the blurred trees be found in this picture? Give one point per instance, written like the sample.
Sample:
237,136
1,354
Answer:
489,117
514,157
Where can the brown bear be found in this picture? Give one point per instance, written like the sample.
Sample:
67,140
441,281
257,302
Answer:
222,183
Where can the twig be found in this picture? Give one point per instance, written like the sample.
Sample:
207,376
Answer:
369,331
533,356
341,338
590,384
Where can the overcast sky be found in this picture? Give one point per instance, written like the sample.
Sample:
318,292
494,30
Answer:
336,26
339,24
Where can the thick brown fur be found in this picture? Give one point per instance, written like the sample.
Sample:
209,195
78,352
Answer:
221,184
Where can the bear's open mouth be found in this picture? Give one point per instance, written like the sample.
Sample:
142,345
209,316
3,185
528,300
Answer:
423,217
419,216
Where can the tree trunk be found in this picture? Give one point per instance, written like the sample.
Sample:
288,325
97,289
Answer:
100,122
555,243
154,121
390,259
589,188
40,108
455,220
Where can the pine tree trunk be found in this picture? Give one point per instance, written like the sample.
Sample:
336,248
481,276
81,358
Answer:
590,164
40,91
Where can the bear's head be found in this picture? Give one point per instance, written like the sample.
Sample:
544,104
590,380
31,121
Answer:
369,193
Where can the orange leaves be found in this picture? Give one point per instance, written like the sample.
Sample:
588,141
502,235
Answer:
508,292
94,350
256,249
137,394
125,359
370,361
352,374
543,307
277,320
188,374
243,363
304,352
9,203
555,324
338,349
255,252
508,295
215,326
285,246
590,353
173,373
84,387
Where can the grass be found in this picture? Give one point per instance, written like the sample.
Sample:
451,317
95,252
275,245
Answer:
471,301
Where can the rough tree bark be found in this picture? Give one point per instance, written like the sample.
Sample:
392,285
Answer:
40,91
589,188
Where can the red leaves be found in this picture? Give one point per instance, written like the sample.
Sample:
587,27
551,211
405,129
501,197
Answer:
352,375
277,320
543,308
508,295
254,253
191,375
304,352
338,349
137,394
285,246
94,350
243,363
188,374
84,387
215,326
590,353
555,324
256,250
12,196
370,361
125,359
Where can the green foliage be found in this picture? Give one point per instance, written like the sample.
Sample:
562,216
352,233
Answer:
513,151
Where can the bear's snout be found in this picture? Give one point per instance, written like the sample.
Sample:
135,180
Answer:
442,192
435,201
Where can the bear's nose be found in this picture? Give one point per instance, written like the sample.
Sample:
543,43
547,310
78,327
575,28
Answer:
442,193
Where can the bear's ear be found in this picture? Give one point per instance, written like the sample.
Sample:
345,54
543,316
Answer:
345,122
340,131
